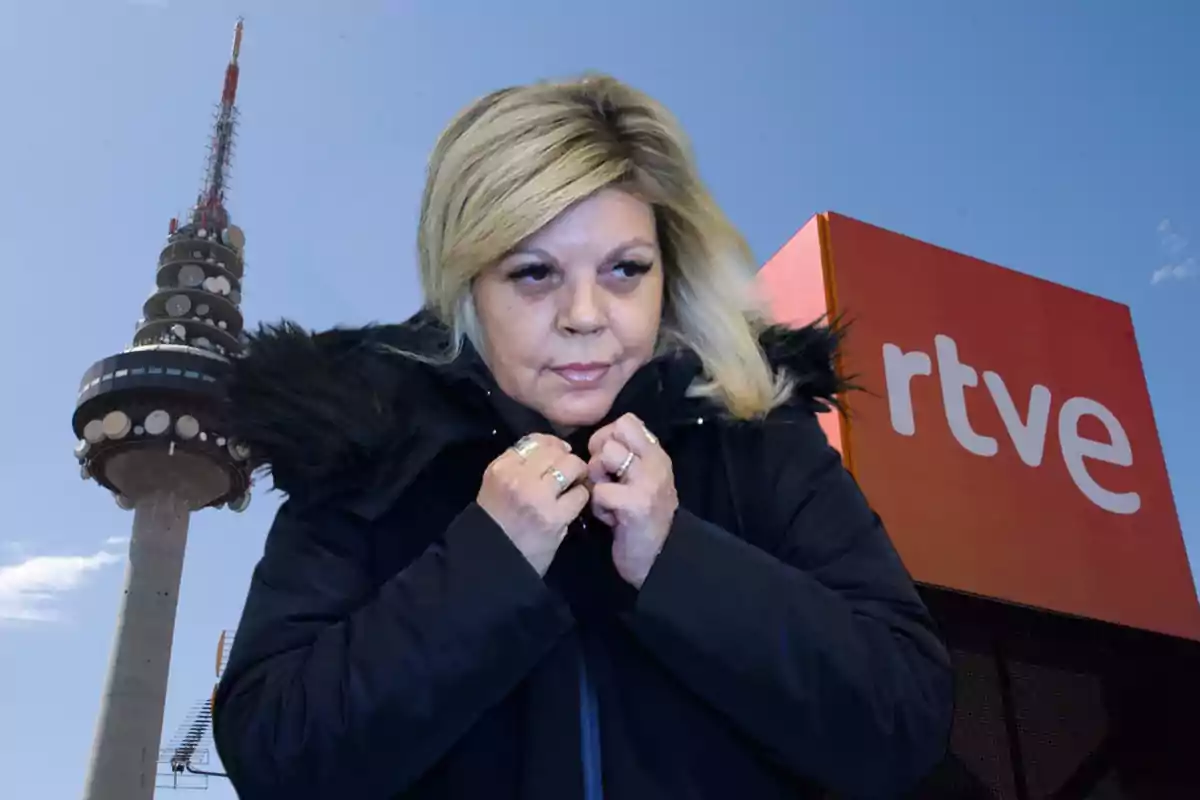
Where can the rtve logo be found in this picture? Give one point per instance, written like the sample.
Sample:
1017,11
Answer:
1028,435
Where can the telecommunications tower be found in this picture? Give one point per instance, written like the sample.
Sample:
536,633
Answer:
149,426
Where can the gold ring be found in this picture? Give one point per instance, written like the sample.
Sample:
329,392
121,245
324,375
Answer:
524,446
650,437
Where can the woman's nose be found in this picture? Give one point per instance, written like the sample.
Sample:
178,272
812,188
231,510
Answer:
582,310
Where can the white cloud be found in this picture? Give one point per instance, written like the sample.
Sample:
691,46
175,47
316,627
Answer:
29,588
1179,265
1184,269
116,540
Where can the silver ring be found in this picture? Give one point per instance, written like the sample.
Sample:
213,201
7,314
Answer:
559,478
621,470
524,446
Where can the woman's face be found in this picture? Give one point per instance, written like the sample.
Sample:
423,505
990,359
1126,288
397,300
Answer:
571,313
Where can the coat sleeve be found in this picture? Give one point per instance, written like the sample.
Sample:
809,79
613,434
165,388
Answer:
338,687
821,651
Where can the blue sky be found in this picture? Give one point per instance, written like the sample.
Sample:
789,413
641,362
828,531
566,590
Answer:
1058,139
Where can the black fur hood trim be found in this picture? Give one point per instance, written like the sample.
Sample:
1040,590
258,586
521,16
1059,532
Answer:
314,405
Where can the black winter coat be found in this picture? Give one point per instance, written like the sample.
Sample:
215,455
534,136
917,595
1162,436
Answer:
395,644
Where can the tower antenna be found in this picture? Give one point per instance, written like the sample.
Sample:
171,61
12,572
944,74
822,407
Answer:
210,205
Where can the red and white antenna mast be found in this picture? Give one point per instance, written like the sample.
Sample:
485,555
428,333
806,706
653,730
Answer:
210,205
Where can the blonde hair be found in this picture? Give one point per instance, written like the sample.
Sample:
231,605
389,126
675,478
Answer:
517,158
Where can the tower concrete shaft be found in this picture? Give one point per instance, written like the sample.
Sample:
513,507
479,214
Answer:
125,753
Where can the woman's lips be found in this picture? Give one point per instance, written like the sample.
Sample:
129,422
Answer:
582,375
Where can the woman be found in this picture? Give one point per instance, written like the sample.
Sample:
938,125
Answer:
573,531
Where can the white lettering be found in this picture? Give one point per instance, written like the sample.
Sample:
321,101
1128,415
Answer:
1075,449
899,368
1028,436
956,377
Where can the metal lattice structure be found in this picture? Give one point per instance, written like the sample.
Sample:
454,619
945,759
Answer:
186,762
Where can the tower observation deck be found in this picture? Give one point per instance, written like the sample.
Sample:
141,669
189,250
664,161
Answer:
148,422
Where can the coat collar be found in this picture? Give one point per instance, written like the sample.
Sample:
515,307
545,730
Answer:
319,410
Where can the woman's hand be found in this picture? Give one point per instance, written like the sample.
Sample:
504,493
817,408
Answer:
633,491
532,491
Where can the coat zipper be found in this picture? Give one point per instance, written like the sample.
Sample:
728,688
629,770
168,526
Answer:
589,732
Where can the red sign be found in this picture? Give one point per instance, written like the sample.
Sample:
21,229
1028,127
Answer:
1004,432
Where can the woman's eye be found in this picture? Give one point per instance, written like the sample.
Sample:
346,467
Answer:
631,269
530,273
